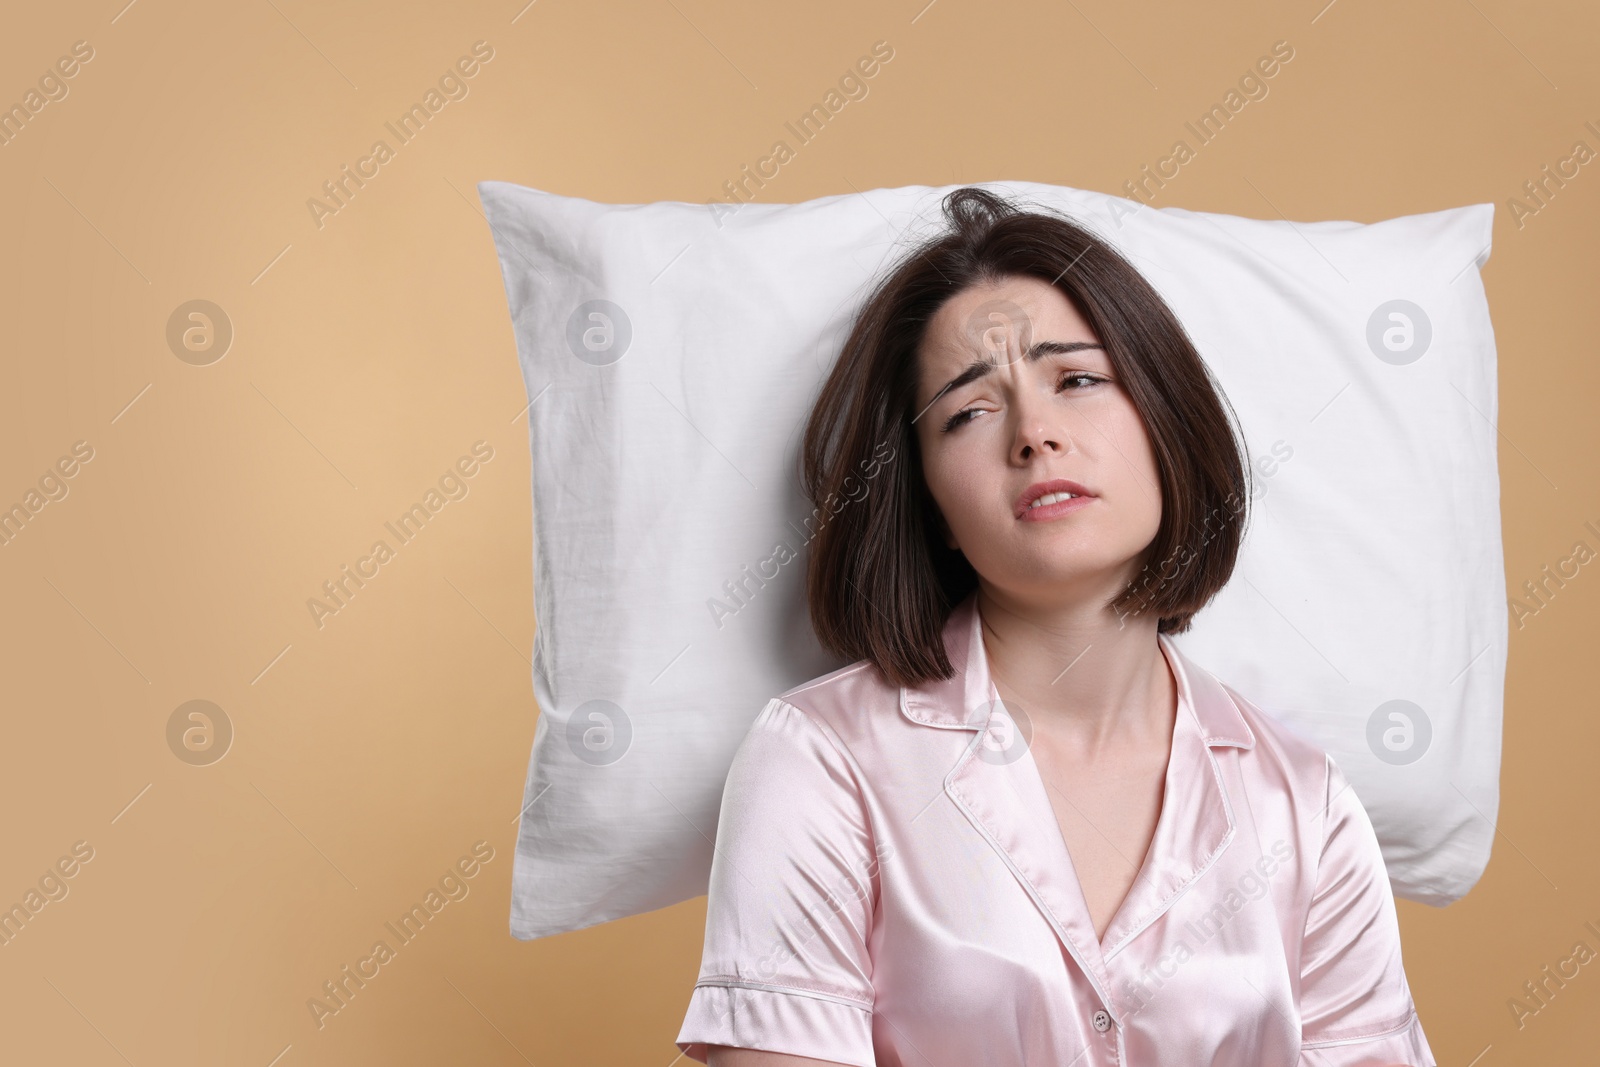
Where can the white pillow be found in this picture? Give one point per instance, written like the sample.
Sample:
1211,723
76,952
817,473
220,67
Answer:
671,353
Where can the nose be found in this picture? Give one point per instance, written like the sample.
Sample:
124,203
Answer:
1040,425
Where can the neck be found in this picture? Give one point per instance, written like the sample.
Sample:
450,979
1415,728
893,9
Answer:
1079,672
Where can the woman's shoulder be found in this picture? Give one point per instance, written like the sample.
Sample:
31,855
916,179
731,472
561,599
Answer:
843,696
823,706
848,720
802,764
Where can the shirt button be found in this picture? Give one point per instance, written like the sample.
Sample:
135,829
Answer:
1101,1021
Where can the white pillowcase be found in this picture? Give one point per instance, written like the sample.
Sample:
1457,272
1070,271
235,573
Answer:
671,354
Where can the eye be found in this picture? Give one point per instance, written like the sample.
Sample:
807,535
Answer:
965,415
960,418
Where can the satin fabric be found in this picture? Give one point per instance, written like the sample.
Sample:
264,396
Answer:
890,887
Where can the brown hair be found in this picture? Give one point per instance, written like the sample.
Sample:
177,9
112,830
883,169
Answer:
881,580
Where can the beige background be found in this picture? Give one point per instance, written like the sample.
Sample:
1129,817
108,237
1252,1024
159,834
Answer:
370,353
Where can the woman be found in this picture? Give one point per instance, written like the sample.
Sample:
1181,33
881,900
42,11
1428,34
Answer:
1023,828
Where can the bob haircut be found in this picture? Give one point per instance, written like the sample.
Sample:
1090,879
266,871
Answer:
882,581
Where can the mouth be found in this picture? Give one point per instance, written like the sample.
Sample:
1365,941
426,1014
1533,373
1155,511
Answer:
1047,500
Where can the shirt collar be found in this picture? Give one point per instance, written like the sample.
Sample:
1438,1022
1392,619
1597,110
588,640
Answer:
1007,802
963,701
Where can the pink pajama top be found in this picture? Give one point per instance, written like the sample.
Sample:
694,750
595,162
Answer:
890,887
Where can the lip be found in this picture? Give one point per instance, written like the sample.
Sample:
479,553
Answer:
1050,511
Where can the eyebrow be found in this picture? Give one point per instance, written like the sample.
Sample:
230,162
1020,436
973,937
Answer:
980,367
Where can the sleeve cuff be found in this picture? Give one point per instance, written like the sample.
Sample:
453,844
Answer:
799,1022
1403,1045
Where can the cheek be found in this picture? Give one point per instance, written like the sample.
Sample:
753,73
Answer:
1126,431
1137,469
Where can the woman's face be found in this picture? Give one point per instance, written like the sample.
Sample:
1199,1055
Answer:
1023,413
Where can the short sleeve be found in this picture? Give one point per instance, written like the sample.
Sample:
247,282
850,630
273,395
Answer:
789,911
1355,1004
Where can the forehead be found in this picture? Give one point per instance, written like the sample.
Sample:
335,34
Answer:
1010,314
